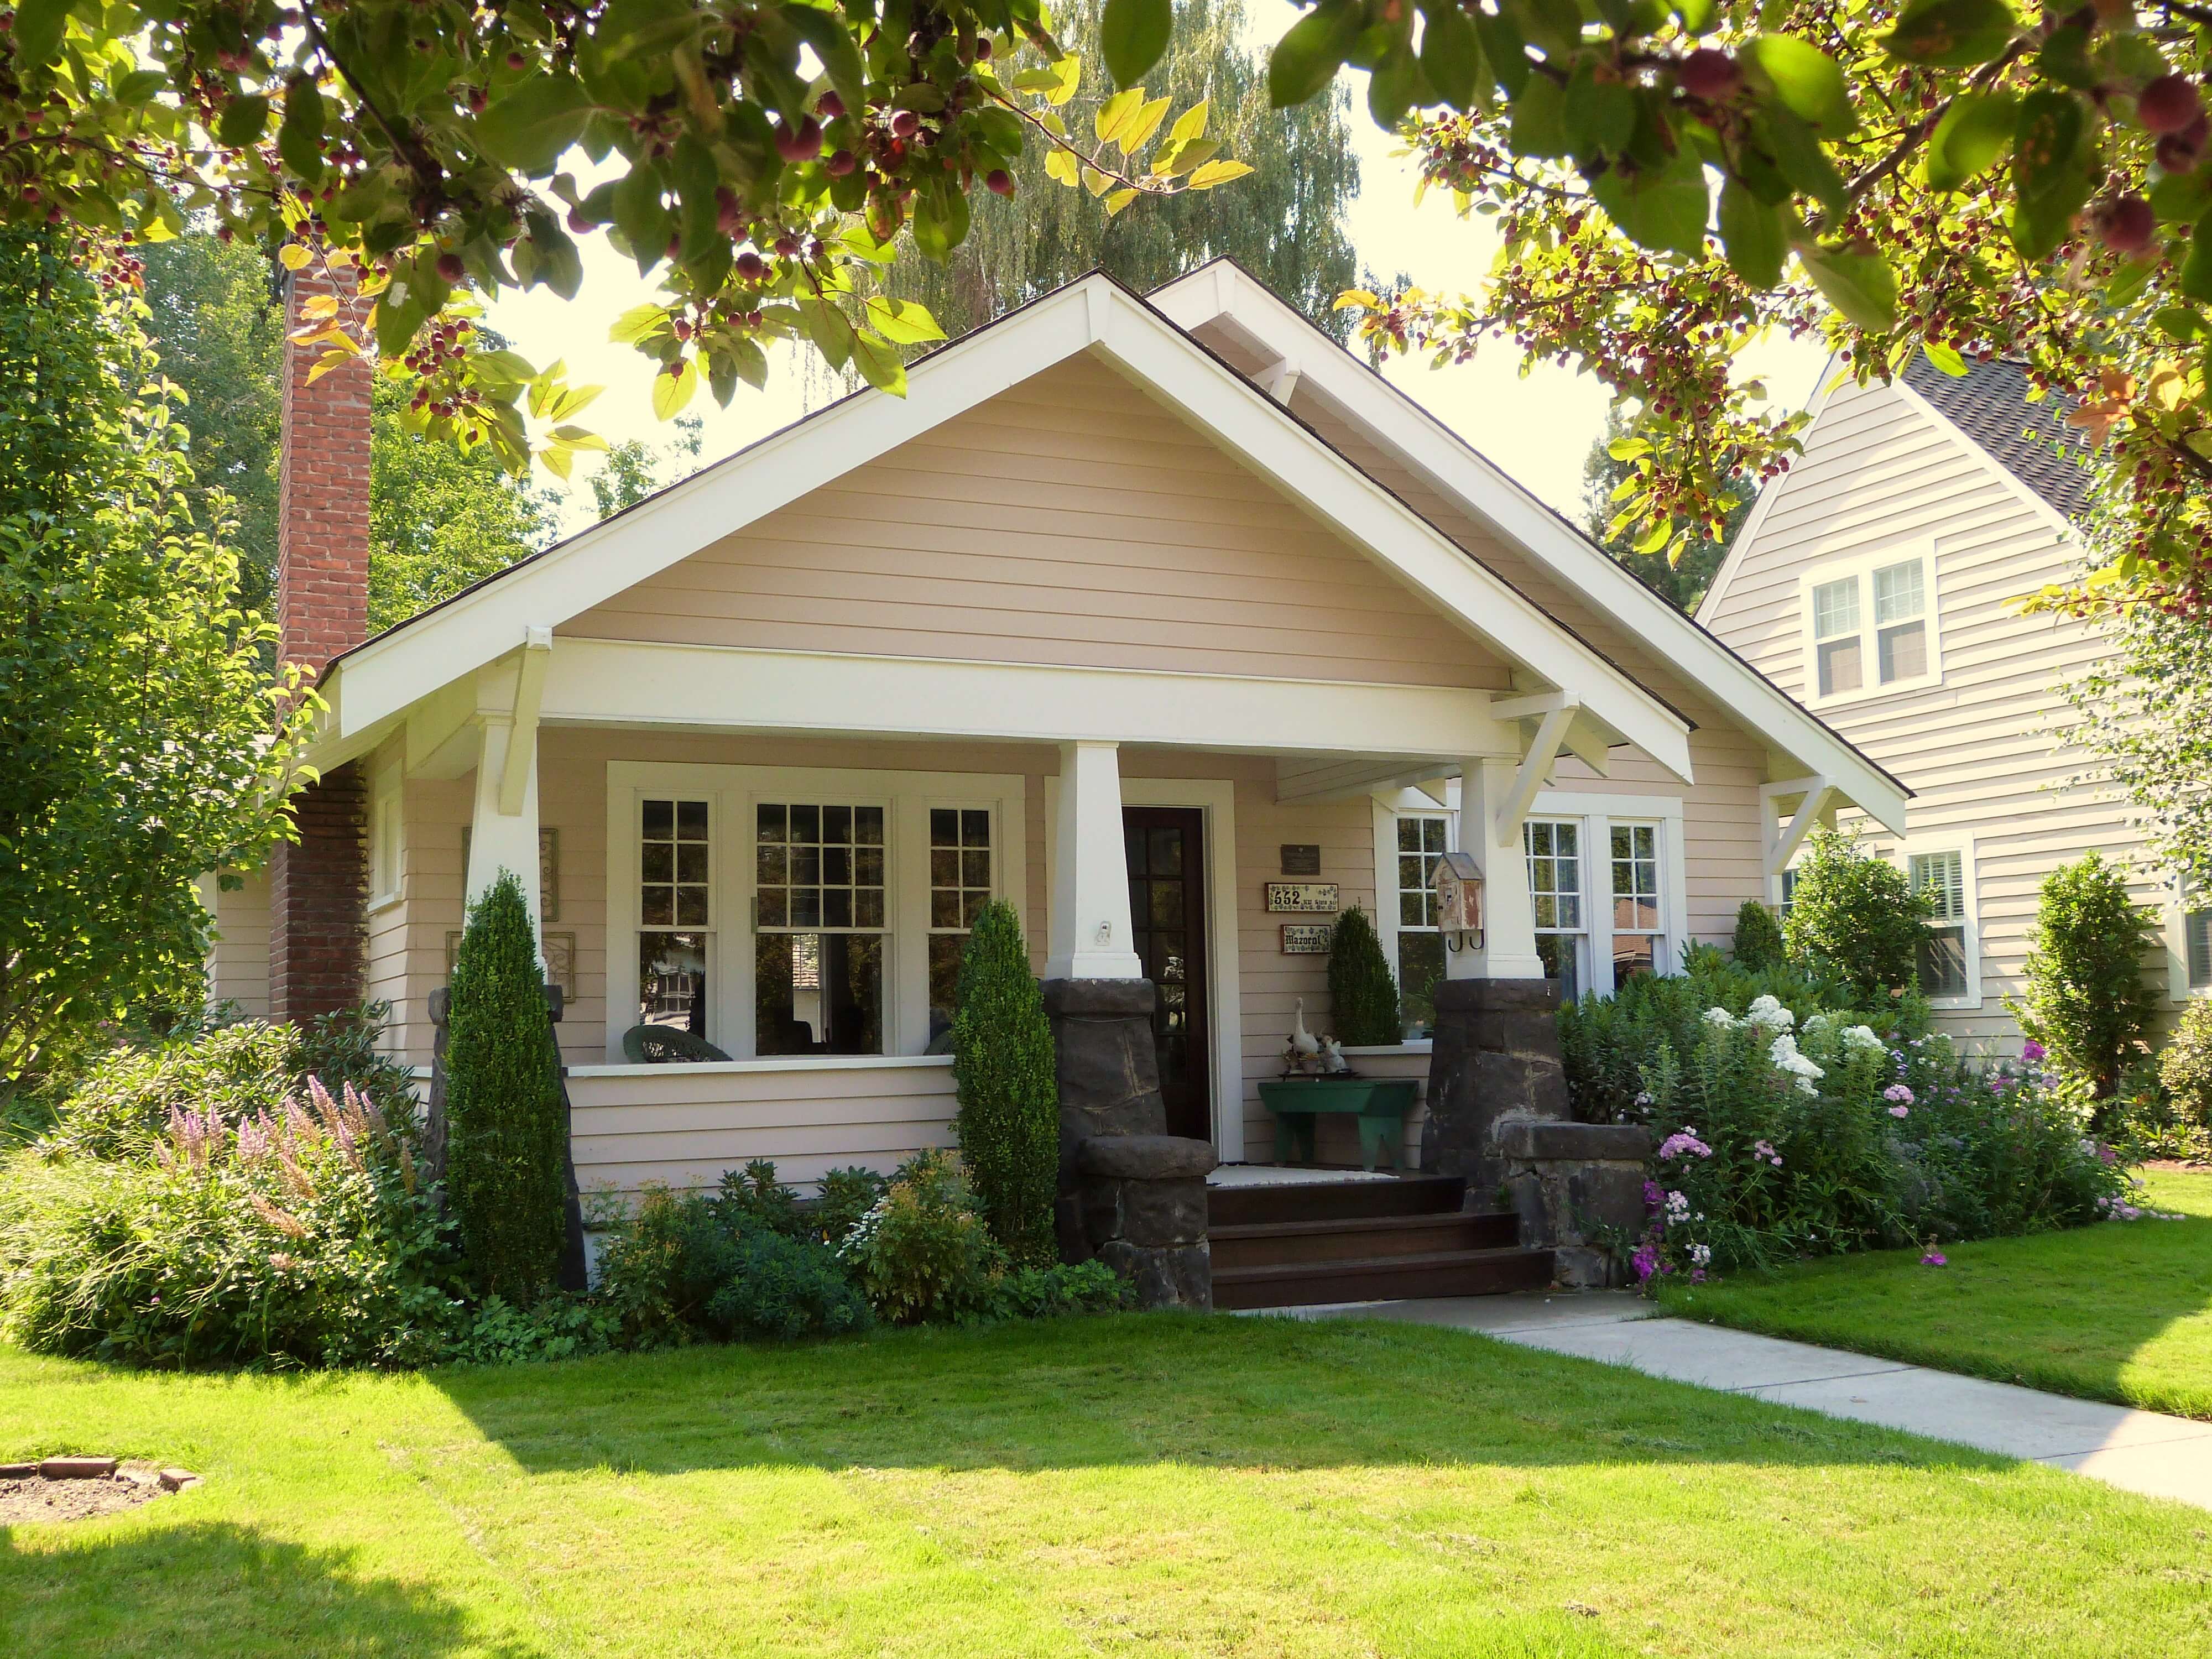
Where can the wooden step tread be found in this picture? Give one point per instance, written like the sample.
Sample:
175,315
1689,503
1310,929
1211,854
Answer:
1440,1220
1504,1254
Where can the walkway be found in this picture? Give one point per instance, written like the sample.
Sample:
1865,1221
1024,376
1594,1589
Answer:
2141,1451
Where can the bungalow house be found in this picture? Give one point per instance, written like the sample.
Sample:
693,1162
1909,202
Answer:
1878,582
1160,617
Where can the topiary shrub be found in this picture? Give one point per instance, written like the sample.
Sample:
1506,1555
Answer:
1003,1062
1854,916
1362,992
2085,1000
1758,937
506,1134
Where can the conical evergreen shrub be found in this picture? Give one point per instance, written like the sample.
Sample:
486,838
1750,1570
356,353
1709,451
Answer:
1361,987
1758,937
1002,1065
506,1144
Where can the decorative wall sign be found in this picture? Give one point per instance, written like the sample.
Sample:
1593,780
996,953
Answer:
548,871
1297,895
560,951
1306,938
1301,858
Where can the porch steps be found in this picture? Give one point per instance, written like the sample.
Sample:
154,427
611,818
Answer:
1363,1241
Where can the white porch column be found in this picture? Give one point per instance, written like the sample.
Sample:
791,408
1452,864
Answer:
1508,917
1089,932
501,839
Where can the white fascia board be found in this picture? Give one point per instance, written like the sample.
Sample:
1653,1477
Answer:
1242,418
628,684
1440,455
487,622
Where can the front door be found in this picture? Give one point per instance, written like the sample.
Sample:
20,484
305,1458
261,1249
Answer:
1167,904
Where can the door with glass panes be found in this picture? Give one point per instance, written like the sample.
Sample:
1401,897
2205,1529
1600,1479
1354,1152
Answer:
1166,854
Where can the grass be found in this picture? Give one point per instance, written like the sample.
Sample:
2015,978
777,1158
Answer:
2120,1311
1131,1485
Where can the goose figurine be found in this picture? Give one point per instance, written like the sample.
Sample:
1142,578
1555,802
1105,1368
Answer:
1303,1043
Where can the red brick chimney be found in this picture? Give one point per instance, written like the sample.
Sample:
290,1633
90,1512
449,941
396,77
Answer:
319,886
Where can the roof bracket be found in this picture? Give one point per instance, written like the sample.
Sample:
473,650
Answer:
1535,767
1817,804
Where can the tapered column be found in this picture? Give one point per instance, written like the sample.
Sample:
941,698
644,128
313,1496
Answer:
1091,936
1508,950
507,771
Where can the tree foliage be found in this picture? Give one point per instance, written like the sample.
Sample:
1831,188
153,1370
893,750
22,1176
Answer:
1855,917
1284,224
1687,572
2085,1000
506,1134
634,469
2143,714
1757,943
140,747
1008,1121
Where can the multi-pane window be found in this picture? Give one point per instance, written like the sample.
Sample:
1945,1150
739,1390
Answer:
2196,936
1836,637
1901,623
1420,947
1943,952
1637,918
818,872
1788,894
1555,888
959,887
675,913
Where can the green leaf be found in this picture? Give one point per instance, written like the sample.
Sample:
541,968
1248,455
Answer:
1132,35
1945,358
38,26
1137,131
641,28
671,393
1191,123
2180,198
879,364
1503,51
1600,115
903,322
244,121
639,323
1218,173
1805,81
1754,234
2196,268
1451,55
1974,131
1664,209
299,137
530,126
1860,285
1307,57
1798,153
2051,164
1106,123
1539,126
2180,323
1952,33
833,44
1395,86
1698,16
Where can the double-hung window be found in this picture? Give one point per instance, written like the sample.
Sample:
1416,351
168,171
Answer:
1421,843
1638,915
1941,959
959,886
2197,947
1870,625
819,879
1553,847
675,912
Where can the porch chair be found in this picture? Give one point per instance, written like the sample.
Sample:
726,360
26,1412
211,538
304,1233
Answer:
664,1045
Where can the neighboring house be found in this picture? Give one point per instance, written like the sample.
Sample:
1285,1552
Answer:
1878,582
1133,607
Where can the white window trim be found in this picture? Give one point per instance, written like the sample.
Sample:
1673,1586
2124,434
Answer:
1947,840
1216,799
1388,806
2177,908
1599,813
387,835
1860,569
731,792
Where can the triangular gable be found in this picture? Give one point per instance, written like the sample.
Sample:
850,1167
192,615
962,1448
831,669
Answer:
369,687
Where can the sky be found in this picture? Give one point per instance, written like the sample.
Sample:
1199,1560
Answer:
1539,428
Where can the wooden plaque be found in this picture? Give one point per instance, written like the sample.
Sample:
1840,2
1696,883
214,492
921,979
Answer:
1297,897
1301,858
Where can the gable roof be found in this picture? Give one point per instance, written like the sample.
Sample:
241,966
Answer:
1223,289
1989,404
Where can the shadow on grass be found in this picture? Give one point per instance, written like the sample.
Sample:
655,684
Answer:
1135,1390
212,1588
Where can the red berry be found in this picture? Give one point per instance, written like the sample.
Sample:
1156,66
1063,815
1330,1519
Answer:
842,163
2177,155
2169,104
675,247
999,180
752,266
515,60
830,106
983,49
1709,75
450,268
580,221
787,245
906,124
2127,224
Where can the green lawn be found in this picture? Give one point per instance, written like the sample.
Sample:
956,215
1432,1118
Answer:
1154,1486
2120,1311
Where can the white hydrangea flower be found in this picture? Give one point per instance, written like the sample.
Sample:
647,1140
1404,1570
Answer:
1767,1010
1863,1036
1785,1058
1720,1019
1817,1025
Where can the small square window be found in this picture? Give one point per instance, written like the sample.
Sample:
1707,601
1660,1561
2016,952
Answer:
1835,609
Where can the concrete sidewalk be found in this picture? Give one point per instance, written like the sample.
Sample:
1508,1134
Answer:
2143,1451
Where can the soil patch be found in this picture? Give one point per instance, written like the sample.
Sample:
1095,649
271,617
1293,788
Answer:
36,1497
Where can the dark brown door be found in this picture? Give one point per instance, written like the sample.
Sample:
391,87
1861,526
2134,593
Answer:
1167,903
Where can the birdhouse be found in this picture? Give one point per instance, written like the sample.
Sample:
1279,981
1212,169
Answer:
1458,886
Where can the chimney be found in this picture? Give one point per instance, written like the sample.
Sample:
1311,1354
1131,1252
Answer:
318,886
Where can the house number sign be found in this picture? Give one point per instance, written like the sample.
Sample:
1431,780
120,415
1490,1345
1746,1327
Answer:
1300,895
1306,938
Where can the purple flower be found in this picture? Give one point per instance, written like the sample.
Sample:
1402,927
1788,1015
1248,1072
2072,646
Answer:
1900,1093
2031,1050
1653,1198
1686,1141
1645,1259
1900,1111
1934,1259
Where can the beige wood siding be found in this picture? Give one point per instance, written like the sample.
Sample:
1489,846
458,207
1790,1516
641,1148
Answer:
1070,521
237,962
1981,749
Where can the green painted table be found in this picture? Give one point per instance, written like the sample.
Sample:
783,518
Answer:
1380,1104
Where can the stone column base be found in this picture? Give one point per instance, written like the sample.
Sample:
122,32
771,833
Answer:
1142,1199
1496,1061
1573,1184
1109,1075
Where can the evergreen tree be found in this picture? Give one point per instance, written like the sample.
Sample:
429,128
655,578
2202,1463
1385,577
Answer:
1003,1066
1361,989
2085,1000
1758,937
1284,223
506,1134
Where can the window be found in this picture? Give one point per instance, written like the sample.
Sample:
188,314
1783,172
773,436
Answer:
1421,842
1637,923
819,885
1942,949
1555,886
1886,596
1789,894
675,913
959,887
1836,636
384,861
2196,939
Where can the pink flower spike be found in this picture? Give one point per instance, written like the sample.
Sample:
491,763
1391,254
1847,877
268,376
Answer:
2033,1050
1934,1259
